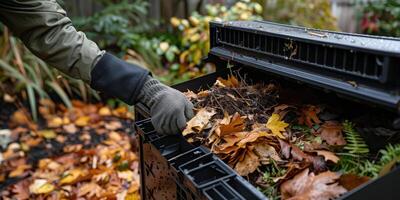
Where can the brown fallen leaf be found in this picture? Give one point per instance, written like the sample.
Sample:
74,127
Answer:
20,170
266,152
90,190
190,95
199,121
351,181
331,132
328,155
309,115
21,190
248,165
19,118
305,185
289,150
236,124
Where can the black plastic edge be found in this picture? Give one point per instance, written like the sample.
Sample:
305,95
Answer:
360,91
315,40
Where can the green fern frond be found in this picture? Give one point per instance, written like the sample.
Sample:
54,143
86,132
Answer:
355,142
390,153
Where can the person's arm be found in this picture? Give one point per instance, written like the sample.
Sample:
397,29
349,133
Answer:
44,28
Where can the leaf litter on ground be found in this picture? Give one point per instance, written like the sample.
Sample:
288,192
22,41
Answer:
82,153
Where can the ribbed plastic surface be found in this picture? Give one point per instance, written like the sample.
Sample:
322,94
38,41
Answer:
350,59
171,168
362,56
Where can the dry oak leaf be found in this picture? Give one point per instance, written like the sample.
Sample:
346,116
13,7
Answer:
41,186
305,185
236,124
328,155
248,165
276,126
309,115
266,152
251,137
331,132
199,121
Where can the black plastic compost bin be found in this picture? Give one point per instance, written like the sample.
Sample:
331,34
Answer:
353,70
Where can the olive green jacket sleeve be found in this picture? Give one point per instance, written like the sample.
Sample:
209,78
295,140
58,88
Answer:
45,29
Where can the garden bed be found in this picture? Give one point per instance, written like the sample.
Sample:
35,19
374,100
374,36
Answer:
84,152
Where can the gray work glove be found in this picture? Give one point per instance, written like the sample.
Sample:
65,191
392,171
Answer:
169,108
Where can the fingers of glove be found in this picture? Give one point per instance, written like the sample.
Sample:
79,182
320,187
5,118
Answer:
189,111
181,122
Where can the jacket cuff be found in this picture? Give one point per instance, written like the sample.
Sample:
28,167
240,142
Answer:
118,78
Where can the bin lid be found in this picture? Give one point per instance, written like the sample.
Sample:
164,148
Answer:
359,66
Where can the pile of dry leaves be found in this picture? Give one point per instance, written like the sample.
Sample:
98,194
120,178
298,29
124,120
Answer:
82,153
249,129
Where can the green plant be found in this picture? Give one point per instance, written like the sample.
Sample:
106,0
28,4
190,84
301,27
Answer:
381,18
308,13
194,33
123,25
270,189
354,158
25,75
355,143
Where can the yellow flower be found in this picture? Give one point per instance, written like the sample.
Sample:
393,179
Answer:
164,46
175,21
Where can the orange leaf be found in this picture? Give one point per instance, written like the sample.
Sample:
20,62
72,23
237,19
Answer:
230,82
235,125
82,121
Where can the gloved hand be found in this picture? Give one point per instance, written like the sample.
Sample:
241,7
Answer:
169,108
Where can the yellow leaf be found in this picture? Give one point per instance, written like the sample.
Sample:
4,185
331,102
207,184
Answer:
276,126
55,122
48,134
71,176
41,186
104,111
82,121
